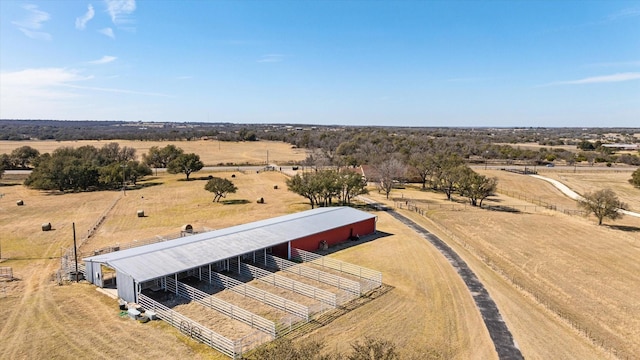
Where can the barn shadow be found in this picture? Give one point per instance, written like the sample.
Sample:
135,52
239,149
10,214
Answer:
354,242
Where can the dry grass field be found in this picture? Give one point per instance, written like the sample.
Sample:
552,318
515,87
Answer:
212,152
549,272
589,181
566,287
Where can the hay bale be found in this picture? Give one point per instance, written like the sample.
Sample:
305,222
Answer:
233,175
140,213
275,187
20,202
46,226
260,200
187,228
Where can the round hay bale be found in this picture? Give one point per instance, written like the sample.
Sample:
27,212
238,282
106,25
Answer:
233,175
46,226
260,200
275,187
187,228
140,213
20,202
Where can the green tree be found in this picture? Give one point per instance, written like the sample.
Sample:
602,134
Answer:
424,165
220,187
603,204
23,156
136,170
351,185
304,185
476,187
635,178
161,157
186,164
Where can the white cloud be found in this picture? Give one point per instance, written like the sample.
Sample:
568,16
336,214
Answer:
104,60
82,21
269,58
107,32
624,13
599,79
616,64
32,22
53,89
119,10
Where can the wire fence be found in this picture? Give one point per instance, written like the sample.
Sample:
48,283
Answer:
517,281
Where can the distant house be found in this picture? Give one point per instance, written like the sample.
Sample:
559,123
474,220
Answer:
622,146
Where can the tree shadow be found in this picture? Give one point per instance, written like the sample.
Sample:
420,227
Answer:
143,185
500,208
234,202
9,184
624,228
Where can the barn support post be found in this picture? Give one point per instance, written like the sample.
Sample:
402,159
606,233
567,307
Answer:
288,250
265,257
209,273
200,273
176,279
254,257
238,264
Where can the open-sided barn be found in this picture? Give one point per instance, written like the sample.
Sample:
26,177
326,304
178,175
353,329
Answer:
137,268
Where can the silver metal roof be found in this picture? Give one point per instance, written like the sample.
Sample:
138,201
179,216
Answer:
165,258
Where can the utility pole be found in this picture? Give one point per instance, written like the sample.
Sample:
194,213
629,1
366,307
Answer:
75,250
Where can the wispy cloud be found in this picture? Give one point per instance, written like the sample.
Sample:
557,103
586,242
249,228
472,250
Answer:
120,10
599,79
114,90
616,64
624,14
271,58
32,22
104,60
107,32
81,22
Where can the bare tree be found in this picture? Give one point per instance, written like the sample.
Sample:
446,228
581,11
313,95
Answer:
389,172
603,204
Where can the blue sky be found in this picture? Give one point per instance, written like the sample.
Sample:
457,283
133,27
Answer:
410,63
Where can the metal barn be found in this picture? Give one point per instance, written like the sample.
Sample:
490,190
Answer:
141,267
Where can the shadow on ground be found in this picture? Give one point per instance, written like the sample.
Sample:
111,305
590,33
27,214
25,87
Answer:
624,228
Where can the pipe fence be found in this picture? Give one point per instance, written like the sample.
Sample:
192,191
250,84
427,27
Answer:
223,307
371,278
192,329
224,282
270,278
353,287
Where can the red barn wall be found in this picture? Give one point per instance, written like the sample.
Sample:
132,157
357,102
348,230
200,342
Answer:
334,236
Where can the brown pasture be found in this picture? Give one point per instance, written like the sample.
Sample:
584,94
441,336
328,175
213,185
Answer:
211,152
448,323
566,287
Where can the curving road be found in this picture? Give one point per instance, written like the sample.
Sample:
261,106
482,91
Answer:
498,331
574,195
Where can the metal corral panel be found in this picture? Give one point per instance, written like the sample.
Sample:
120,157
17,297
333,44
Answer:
169,257
126,287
